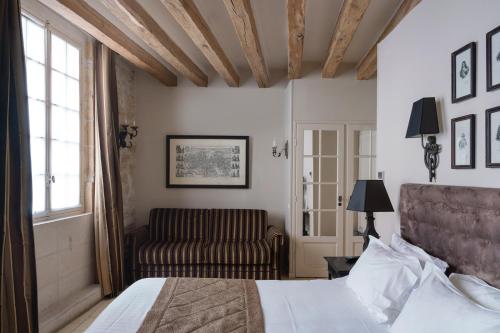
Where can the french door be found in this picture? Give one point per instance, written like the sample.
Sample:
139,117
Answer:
329,158
319,196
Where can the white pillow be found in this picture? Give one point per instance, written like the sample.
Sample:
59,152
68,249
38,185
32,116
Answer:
383,279
477,290
436,306
400,245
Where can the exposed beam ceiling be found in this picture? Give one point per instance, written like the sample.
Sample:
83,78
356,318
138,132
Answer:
189,18
350,17
367,67
133,15
88,19
241,14
296,33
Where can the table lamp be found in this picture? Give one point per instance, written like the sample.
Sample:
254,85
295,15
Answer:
369,196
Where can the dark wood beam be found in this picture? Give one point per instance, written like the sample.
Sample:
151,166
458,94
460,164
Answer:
89,20
131,13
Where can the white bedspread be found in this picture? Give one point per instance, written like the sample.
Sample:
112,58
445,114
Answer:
288,306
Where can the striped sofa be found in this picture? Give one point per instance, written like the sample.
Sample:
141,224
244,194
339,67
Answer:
223,243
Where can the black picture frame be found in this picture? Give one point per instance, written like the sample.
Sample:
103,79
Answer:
471,118
246,185
473,73
490,86
489,133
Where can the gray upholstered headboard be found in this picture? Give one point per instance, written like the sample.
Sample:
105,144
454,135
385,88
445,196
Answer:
458,224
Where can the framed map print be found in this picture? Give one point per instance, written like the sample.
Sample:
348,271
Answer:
205,161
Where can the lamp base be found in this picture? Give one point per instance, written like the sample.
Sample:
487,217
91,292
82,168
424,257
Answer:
370,229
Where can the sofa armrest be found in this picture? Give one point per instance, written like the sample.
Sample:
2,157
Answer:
133,241
276,240
275,237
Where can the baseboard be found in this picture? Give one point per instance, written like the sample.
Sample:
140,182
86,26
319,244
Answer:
57,316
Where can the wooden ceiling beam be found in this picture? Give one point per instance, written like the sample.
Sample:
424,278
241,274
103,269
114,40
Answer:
88,19
241,14
296,33
189,18
131,13
367,67
348,22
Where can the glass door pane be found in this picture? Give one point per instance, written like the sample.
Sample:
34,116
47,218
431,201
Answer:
363,167
320,183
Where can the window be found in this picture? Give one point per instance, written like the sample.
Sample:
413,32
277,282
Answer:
53,75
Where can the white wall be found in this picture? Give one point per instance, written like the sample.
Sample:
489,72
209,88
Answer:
414,61
248,110
215,110
343,98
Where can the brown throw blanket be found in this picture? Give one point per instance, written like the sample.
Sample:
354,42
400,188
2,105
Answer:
187,305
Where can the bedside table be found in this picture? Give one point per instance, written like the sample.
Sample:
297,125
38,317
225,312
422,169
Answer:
339,266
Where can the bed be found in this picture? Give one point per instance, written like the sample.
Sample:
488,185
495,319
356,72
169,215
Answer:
458,224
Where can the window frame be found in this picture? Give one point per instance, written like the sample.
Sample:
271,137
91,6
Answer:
55,27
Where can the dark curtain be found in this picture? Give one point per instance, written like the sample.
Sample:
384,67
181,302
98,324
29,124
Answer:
108,202
18,295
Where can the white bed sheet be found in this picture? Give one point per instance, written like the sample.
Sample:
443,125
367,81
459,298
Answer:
288,306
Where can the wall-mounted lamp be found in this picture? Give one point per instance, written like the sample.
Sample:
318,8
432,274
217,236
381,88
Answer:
127,133
278,152
423,121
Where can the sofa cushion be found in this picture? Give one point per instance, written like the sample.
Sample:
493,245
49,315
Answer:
179,224
172,253
238,224
239,253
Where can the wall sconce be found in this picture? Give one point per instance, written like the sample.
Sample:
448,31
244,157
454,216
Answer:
283,150
424,120
127,133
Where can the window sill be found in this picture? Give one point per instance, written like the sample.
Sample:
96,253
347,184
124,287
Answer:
59,219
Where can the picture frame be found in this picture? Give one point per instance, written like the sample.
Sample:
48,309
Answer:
463,142
463,73
207,161
493,59
493,137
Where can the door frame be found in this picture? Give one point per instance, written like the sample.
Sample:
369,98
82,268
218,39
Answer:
298,238
353,244
293,187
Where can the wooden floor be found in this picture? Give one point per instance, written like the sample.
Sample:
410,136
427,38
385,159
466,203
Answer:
80,324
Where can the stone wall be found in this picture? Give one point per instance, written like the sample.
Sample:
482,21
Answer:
126,105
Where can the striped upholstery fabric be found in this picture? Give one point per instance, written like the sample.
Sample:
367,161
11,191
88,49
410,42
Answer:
179,223
217,243
259,272
238,224
172,253
277,241
244,253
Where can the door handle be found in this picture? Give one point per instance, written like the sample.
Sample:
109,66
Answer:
340,201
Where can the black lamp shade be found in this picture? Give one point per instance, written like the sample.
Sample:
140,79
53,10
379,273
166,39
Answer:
370,196
423,119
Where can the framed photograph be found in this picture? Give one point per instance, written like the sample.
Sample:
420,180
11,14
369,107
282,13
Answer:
493,59
463,142
205,161
463,73
493,138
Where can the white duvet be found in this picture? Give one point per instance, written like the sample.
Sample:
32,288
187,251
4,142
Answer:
288,306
